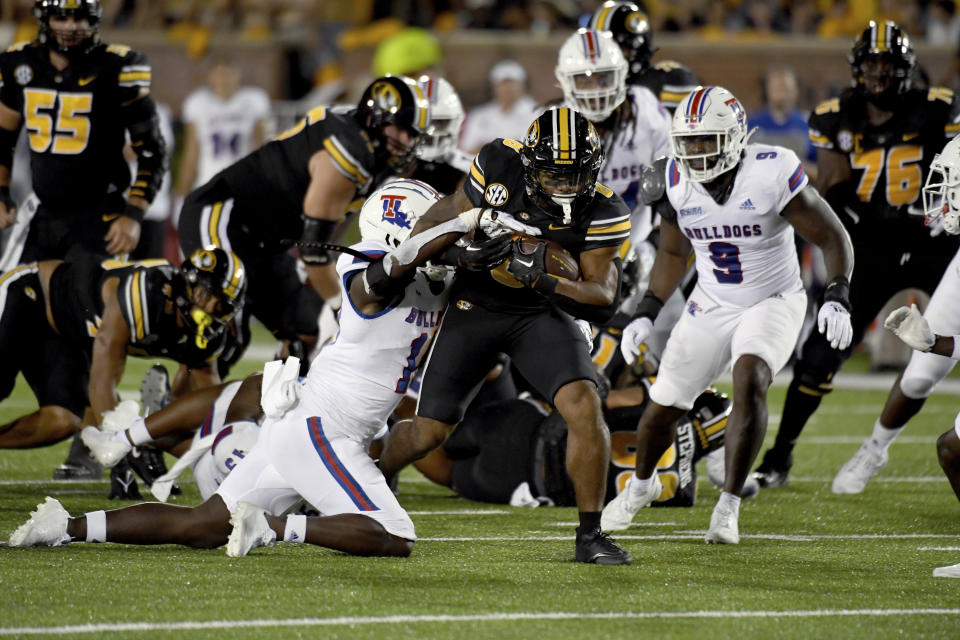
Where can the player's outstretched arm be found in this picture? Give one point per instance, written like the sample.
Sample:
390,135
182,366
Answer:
9,129
109,353
817,223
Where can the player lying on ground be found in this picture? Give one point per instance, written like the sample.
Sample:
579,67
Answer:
318,450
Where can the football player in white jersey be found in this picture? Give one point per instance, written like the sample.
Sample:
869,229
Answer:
941,203
934,335
224,122
318,450
736,206
634,128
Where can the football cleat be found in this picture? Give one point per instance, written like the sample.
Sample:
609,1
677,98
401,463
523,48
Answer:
717,473
47,527
770,478
724,528
148,463
619,512
123,484
105,449
79,464
596,547
155,389
953,571
857,471
250,530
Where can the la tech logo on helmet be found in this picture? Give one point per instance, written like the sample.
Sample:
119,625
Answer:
392,212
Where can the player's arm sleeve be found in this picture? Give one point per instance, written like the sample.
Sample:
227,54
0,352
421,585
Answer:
476,183
139,114
599,315
952,125
792,177
12,100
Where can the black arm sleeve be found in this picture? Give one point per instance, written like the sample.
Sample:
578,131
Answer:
141,120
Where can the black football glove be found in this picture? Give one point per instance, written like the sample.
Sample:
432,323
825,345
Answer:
530,269
479,255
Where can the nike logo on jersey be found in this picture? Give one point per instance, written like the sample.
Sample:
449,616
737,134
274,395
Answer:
909,136
557,227
107,217
747,205
85,81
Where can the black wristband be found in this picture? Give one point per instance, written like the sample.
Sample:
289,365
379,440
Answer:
838,290
315,232
545,284
134,212
5,197
649,306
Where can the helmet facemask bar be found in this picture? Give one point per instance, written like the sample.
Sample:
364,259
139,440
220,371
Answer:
708,133
446,118
88,10
699,154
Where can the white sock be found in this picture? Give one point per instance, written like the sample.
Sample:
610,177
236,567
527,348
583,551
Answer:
883,437
640,486
731,501
295,529
137,432
96,526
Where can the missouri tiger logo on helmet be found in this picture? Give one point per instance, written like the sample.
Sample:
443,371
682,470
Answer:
630,28
882,61
398,101
215,286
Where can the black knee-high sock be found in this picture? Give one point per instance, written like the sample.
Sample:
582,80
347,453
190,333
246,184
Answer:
797,409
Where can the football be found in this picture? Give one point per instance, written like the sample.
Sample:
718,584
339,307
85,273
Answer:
557,260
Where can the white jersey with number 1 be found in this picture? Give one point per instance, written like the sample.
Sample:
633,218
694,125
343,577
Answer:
744,248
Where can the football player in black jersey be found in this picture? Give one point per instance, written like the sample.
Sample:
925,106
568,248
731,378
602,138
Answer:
78,97
670,81
547,181
300,186
874,145
69,326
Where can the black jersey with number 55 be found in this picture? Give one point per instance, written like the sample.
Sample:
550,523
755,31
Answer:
75,118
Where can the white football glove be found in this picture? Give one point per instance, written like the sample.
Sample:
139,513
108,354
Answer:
833,321
120,417
280,389
911,327
495,223
635,334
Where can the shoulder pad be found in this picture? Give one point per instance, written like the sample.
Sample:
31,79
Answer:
516,145
118,49
18,46
652,182
828,106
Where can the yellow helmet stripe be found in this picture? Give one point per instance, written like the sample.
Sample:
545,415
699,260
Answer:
236,272
602,21
214,223
564,140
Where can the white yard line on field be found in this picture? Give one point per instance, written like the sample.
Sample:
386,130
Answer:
127,627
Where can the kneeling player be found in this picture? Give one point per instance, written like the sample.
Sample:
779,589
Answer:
318,451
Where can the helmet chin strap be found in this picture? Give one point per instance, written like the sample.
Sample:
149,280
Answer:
567,205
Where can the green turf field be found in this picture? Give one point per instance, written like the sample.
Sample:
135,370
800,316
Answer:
809,565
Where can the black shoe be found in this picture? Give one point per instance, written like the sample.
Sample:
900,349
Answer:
770,478
79,464
123,484
148,463
597,547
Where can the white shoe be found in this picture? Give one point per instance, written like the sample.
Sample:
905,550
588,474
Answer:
619,512
250,530
724,526
103,447
865,463
717,474
47,527
953,571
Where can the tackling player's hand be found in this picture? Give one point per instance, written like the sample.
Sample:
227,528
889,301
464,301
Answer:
833,321
495,223
8,208
911,327
483,255
123,235
634,335
530,269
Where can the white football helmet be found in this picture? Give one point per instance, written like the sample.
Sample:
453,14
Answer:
592,72
708,133
446,118
233,443
941,191
391,211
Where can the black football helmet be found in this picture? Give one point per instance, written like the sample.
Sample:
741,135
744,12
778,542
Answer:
90,10
884,43
208,273
630,27
396,100
561,159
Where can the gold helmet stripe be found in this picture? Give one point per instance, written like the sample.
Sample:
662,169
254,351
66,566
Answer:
602,21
